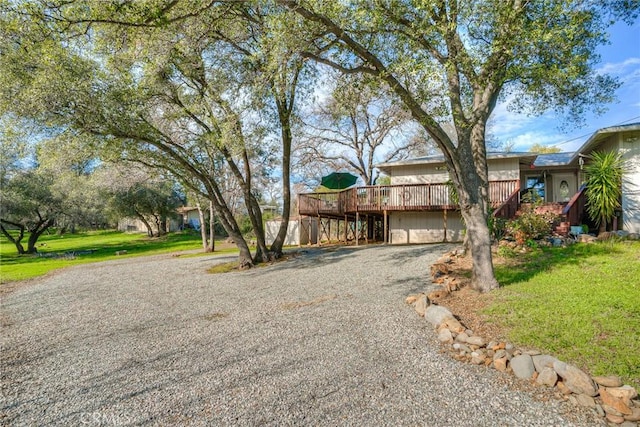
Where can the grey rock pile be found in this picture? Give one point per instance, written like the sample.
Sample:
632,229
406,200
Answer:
607,396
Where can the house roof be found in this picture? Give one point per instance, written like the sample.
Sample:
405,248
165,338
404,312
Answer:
535,159
552,159
525,157
601,134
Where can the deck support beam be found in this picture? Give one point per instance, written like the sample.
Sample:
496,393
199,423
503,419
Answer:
385,227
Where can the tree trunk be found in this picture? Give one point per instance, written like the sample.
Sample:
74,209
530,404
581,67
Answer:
245,260
284,115
255,215
212,230
146,224
15,241
472,183
603,225
203,230
36,232
479,240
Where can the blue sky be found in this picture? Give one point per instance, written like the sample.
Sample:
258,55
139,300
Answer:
621,58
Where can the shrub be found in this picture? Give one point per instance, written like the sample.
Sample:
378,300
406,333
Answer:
497,227
530,225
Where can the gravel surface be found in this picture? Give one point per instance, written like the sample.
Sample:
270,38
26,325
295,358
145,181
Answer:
322,339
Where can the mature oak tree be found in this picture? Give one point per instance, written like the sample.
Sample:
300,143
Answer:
355,127
449,61
27,204
169,87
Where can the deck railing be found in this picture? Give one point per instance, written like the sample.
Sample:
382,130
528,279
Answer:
404,197
574,209
509,207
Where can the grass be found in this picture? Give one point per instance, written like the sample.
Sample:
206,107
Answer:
103,245
223,267
580,303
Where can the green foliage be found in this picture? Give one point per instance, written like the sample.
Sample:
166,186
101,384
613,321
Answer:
530,225
539,148
579,303
151,202
59,251
28,205
507,252
497,226
604,185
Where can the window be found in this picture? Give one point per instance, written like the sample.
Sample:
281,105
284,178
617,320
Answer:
564,191
536,183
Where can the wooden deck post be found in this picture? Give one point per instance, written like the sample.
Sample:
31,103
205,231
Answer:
445,224
385,227
357,232
346,228
366,235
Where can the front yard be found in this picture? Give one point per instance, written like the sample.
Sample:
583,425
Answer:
580,303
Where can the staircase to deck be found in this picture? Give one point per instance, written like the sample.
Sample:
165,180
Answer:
570,212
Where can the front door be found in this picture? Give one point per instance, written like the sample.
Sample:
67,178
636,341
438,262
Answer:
564,187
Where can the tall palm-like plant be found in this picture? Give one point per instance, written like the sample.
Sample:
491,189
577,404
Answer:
604,186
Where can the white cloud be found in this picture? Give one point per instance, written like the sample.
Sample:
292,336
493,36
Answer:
524,141
620,68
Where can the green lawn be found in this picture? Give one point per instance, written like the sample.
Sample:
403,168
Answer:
581,304
104,244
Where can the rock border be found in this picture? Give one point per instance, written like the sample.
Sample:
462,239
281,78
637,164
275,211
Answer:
609,398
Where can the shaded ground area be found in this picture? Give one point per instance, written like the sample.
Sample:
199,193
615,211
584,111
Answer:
322,339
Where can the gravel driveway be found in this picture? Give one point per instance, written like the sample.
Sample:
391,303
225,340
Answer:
322,339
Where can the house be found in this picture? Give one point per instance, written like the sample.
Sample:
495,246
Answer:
190,217
135,225
300,231
418,207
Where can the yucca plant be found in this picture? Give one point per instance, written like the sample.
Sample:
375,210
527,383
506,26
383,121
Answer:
604,186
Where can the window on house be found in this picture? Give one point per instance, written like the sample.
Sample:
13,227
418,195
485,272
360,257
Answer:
536,183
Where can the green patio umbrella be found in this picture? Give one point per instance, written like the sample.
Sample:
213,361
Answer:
338,180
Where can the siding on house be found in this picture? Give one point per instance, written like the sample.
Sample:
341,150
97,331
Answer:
424,227
630,149
299,232
134,225
418,174
429,227
503,169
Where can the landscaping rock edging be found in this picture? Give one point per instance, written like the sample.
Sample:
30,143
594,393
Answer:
609,398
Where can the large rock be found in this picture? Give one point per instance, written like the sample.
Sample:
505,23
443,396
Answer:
547,377
478,357
626,392
500,364
444,336
586,238
542,361
616,419
476,340
421,304
462,337
453,324
436,314
522,366
576,380
584,400
635,415
610,381
619,404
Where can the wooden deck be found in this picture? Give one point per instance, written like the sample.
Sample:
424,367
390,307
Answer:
381,199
